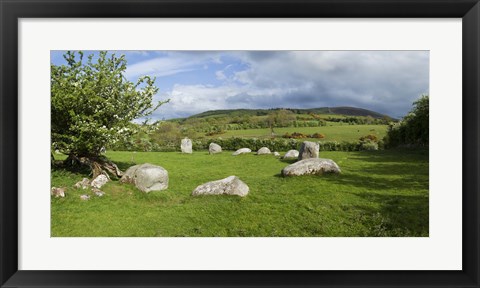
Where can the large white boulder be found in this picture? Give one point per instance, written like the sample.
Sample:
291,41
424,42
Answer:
308,150
241,151
311,166
291,154
264,151
231,185
186,146
214,148
146,177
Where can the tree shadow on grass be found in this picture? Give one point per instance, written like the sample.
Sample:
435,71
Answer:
393,215
124,165
410,169
75,169
85,171
395,155
384,170
405,182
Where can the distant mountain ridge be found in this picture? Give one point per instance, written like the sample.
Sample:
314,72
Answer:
342,110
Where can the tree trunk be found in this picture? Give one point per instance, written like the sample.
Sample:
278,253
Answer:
98,165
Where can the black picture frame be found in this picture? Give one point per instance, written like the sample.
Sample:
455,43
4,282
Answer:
11,11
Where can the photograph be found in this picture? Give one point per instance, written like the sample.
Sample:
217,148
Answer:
247,143
240,143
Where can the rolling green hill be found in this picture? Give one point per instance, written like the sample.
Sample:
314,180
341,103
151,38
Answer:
346,111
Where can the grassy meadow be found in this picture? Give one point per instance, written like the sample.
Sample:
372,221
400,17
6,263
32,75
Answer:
332,132
378,193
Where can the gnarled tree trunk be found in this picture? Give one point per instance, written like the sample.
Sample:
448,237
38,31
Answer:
98,165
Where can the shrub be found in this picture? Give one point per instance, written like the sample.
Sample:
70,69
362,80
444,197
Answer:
412,130
295,135
338,146
370,137
317,135
369,145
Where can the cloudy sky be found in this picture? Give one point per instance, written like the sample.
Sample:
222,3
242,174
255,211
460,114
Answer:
196,81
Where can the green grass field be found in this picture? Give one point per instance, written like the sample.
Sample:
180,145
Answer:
379,193
349,133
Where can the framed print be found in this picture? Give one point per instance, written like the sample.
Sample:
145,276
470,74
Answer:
312,116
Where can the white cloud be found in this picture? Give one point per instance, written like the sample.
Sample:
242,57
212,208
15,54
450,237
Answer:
171,63
191,99
384,81
159,67
220,75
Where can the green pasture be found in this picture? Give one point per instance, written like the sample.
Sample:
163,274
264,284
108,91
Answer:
336,132
378,193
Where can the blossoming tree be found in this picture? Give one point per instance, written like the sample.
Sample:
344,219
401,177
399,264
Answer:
92,106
